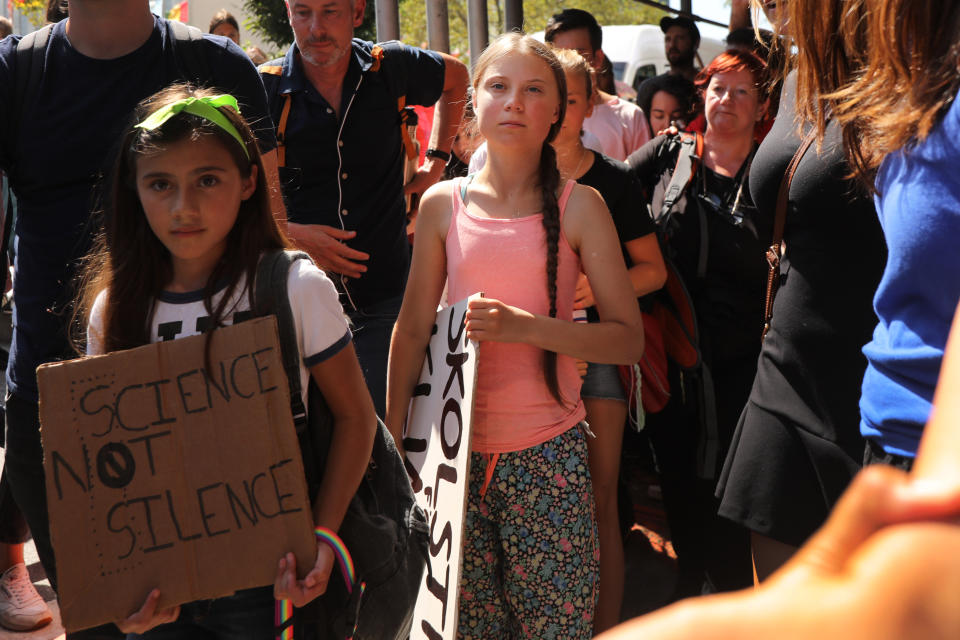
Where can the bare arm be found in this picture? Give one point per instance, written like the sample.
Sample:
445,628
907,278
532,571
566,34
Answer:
411,333
940,445
740,14
617,338
446,121
340,379
647,274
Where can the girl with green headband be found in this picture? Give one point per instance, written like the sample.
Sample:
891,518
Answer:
187,222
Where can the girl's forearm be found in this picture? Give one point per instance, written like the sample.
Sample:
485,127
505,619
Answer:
606,342
647,277
350,450
406,357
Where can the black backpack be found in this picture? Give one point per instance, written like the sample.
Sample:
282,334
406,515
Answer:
691,386
32,56
384,529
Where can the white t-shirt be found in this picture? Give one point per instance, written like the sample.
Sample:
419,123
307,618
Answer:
479,157
621,127
322,329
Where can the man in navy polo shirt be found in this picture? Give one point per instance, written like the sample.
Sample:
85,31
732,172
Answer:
342,158
56,147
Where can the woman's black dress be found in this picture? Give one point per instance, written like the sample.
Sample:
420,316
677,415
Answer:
797,445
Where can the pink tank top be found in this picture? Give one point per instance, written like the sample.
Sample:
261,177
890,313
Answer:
506,260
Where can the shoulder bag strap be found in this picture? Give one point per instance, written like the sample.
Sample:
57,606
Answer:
688,160
775,252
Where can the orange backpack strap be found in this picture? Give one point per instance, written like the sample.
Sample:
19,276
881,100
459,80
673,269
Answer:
377,54
408,143
277,70
281,130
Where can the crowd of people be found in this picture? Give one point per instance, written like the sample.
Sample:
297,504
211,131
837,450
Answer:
767,241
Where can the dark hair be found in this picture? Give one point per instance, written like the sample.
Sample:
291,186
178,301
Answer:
130,262
6,27
221,17
677,86
56,10
549,175
757,40
684,22
570,19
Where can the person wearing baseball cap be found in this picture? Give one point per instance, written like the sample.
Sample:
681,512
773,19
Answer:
681,39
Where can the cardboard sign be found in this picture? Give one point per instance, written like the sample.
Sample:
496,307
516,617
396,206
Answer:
437,443
164,472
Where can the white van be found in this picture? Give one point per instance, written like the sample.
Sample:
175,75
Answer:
636,51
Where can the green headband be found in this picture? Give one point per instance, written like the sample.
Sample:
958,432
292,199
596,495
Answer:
206,108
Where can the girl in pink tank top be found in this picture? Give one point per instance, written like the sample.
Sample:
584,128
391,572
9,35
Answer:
514,232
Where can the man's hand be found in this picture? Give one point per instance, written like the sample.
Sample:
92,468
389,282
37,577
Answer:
148,616
300,592
428,174
326,246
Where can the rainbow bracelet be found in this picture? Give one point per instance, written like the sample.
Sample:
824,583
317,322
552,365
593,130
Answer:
284,608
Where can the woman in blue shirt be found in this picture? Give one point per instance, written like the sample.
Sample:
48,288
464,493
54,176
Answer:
901,127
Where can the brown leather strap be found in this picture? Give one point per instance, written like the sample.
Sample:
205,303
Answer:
282,132
775,252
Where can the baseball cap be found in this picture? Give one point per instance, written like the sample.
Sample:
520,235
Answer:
680,21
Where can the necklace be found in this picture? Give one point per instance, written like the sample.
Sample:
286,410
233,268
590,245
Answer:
576,172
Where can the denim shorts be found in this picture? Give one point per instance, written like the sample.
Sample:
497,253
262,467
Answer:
602,381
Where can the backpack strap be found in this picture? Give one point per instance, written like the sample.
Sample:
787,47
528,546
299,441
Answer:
186,42
377,54
688,161
270,74
31,59
270,296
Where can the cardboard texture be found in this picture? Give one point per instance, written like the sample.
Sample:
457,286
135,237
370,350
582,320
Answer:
437,444
163,473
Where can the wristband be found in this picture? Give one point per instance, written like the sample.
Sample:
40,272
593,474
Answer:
340,553
283,612
437,153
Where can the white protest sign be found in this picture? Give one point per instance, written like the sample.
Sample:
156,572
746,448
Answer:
437,443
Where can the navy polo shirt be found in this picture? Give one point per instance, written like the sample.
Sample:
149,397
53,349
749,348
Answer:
348,172
58,152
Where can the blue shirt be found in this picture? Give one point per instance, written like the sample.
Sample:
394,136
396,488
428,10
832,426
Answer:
57,153
347,172
919,208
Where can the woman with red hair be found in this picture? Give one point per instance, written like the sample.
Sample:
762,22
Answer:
717,240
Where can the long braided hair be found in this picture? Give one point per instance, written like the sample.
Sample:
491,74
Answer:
548,175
